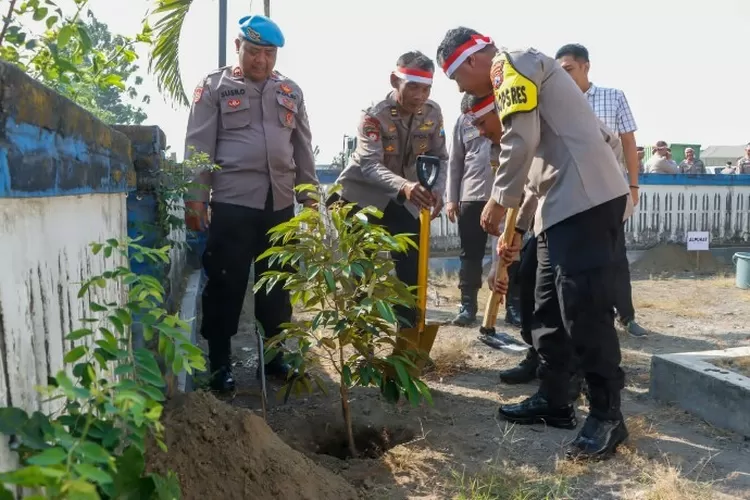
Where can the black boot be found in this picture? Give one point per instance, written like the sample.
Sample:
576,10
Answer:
525,372
467,314
220,366
604,429
222,380
278,369
512,312
598,439
536,410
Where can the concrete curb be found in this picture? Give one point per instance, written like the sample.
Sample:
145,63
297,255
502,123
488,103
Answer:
189,311
717,395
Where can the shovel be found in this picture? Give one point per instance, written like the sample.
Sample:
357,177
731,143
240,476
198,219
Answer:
501,272
422,336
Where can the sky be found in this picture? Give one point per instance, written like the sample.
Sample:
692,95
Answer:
683,69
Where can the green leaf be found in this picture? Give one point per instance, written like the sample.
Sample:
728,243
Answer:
386,311
75,354
26,476
93,452
40,13
51,20
330,283
79,334
50,456
94,474
63,37
11,420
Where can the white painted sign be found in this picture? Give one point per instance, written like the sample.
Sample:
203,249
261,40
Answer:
697,240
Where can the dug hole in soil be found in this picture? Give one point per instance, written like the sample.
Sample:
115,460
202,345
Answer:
222,452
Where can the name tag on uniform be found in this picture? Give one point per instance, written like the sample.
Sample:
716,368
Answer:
470,133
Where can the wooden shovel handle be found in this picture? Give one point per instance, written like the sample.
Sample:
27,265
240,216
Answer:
501,271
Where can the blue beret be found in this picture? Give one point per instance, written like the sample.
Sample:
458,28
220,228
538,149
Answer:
260,30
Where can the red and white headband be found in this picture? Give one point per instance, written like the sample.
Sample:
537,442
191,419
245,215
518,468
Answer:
483,107
475,44
414,75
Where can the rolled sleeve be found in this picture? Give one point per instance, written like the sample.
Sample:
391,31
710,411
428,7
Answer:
625,121
202,130
370,153
518,146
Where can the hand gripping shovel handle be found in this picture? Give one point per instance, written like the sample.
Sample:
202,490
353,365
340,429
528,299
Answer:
501,272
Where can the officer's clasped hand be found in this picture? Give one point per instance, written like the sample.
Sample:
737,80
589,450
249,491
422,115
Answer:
508,254
418,195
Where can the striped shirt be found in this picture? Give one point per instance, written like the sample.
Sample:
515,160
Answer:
611,106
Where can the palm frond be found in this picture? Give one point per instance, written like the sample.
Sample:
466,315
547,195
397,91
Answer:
164,61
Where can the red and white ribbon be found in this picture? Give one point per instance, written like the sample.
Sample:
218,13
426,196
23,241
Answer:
475,44
483,107
414,75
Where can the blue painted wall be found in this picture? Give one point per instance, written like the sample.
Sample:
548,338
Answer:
49,146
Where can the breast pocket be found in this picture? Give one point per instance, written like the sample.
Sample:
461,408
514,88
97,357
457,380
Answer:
235,112
287,111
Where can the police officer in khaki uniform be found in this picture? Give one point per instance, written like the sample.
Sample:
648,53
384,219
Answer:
552,139
470,175
382,170
252,123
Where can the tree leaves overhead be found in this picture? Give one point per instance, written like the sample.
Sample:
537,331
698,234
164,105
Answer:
164,61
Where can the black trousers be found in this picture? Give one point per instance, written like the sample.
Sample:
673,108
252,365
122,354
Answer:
526,279
574,315
623,288
473,246
398,220
236,237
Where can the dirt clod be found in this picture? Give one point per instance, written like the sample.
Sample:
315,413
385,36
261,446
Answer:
671,258
219,451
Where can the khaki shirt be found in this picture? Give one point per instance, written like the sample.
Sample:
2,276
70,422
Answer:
530,204
469,173
696,167
658,164
553,139
257,133
387,149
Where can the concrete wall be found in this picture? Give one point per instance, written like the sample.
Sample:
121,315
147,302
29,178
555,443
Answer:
64,176
66,180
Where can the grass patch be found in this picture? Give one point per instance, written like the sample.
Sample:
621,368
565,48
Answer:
666,483
739,365
504,481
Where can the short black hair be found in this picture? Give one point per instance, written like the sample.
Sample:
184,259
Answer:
465,106
416,60
576,50
452,40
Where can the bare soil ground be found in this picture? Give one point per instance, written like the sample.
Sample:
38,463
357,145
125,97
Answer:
458,449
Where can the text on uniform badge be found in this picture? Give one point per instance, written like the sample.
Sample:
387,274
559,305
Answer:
230,92
516,93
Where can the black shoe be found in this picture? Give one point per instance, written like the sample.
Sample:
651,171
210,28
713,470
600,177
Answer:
512,316
222,380
536,410
597,440
525,372
467,313
278,369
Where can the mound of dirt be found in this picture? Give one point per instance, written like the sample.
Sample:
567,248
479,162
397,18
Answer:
671,258
219,451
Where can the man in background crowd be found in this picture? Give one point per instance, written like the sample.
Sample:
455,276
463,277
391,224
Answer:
611,107
641,154
660,163
743,164
691,164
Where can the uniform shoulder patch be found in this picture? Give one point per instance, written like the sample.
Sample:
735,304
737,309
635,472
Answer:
371,128
198,94
514,92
